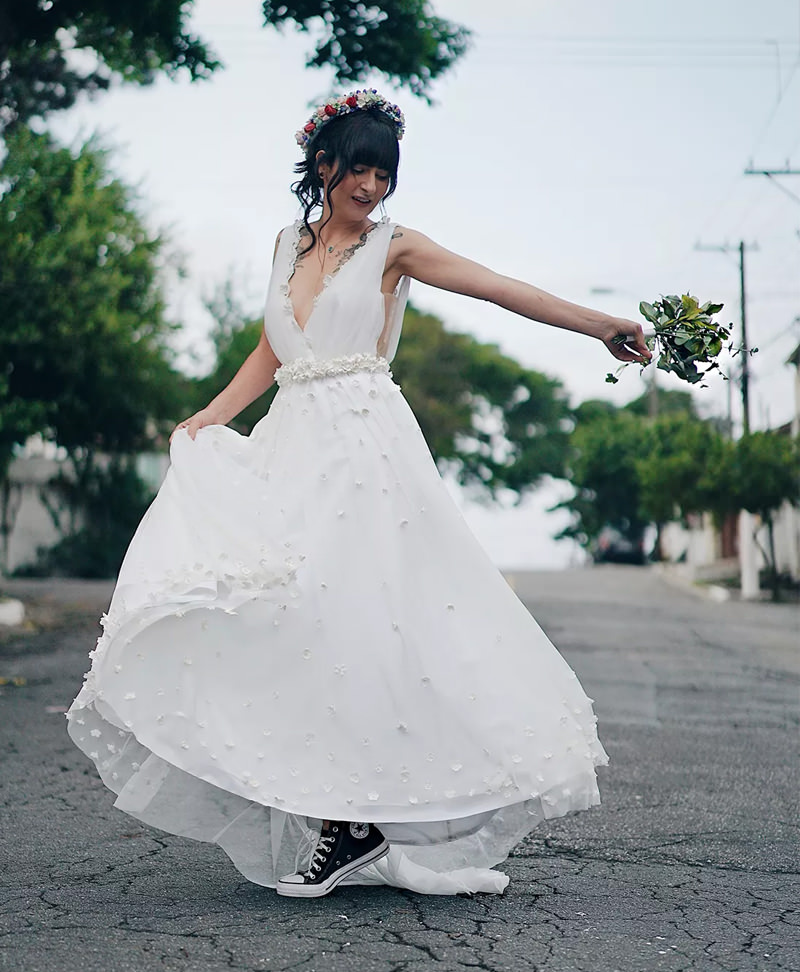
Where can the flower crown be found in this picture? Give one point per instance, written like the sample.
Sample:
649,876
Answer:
346,104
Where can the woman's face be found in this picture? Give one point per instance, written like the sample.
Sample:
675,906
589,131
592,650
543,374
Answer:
359,192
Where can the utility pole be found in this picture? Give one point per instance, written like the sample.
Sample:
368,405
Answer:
745,346
748,557
745,379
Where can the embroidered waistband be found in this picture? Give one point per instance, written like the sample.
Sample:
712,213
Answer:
305,369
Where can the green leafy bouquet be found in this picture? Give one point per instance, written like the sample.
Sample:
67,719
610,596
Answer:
683,337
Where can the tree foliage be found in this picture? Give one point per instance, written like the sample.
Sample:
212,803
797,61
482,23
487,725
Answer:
401,39
50,52
602,468
689,467
84,342
697,469
664,401
629,470
605,459
764,472
679,456
84,337
759,474
607,452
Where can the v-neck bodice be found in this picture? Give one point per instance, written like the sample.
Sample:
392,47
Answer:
294,257
350,314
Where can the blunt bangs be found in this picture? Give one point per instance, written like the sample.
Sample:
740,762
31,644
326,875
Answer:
370,142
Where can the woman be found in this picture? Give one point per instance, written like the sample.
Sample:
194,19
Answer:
308,658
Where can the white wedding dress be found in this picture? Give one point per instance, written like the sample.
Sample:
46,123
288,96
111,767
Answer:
305,628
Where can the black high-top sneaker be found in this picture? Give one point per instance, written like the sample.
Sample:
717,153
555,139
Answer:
342,848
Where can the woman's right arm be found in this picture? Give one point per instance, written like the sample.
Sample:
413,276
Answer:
255,376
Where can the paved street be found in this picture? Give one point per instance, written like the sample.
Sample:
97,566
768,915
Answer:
690,865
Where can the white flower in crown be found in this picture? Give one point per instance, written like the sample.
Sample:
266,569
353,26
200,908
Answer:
346,104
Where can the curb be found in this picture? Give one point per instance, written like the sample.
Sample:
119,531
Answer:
675,577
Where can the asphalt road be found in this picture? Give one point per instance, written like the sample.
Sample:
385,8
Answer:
690,864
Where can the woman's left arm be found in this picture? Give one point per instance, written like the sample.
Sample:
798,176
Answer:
416,256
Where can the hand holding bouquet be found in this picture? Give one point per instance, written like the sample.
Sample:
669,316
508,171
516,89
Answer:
682,336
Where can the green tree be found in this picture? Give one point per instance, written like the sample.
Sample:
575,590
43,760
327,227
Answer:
129,42
602,468
766,472
85,339
628,471
610,469
668,402
759,473
52,51
490,421
677,453
401,39
85,336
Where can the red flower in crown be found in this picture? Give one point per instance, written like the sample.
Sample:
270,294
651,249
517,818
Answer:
344,104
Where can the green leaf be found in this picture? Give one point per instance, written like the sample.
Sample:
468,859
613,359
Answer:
689,305
649,312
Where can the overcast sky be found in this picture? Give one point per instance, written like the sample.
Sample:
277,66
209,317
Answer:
579,145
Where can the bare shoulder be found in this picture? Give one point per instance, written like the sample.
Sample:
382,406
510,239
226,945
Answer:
405,239
402,245
416,255
409,246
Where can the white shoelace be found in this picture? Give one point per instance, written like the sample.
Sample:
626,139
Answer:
326,843
312,838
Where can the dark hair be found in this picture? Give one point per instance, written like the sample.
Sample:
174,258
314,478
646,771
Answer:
365,137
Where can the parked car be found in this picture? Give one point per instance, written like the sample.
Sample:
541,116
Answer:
613,547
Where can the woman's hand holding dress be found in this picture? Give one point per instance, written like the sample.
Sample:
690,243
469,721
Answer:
254,377
197,421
